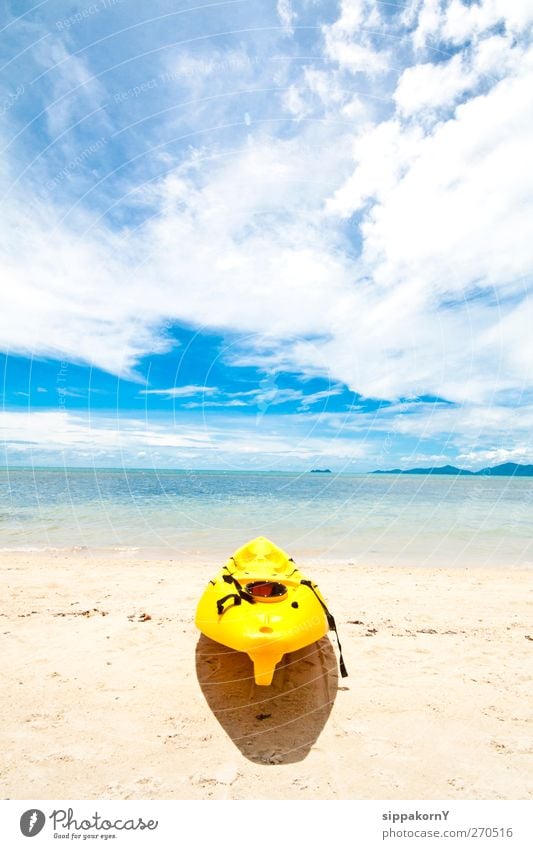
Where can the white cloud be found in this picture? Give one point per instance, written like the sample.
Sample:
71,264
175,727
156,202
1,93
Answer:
73,88
318,92
424,16
349,42
472,434
457,22
71,296
478,459
197,405
294,101
460,22
466,425
76,437
358,58
181,391
382,155
391,254
249,244
437,85
432,85
471,175
252,235
315,397
275,395
286,14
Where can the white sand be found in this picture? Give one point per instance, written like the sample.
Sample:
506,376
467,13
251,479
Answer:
98,701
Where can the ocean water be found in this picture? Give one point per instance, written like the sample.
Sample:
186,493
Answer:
365,519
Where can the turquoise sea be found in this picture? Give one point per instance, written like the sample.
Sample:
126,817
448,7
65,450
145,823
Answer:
385,519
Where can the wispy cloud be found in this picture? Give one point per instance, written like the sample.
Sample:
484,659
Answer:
351,40
181,391
79,439
286,13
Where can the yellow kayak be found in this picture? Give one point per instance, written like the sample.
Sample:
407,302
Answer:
261,604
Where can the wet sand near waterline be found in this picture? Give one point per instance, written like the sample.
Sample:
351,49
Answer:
109,692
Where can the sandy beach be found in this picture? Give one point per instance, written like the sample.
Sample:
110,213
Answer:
109,691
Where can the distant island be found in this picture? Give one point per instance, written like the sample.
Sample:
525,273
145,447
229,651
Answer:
320,471
504,470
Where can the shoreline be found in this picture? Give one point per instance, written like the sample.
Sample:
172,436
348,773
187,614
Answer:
215,558
111,693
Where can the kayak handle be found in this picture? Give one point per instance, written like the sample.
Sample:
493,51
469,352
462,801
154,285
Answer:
220,601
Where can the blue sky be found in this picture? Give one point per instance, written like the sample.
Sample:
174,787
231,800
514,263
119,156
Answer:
266,235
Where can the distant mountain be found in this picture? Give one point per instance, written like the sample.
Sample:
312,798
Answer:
505,469
508,469
433,470
321,471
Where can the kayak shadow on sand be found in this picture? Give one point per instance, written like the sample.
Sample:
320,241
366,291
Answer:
270,725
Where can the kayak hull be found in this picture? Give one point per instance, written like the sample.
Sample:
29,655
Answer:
264,626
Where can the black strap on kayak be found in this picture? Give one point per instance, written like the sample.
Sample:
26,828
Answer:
220,601
332,626
231,579
240,594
